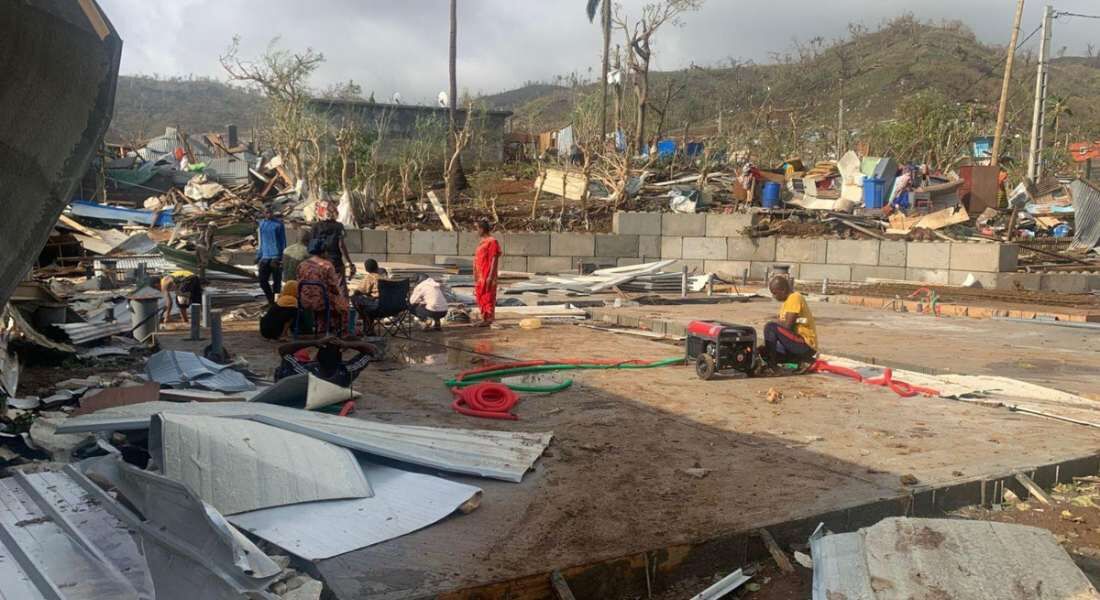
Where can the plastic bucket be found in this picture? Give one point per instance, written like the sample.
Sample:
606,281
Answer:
770,197
874,192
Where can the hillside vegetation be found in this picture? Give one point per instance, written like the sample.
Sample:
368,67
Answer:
793,97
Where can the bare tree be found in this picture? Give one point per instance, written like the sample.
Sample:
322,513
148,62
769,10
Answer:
639,42
283,77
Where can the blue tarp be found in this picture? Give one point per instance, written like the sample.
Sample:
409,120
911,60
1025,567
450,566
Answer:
666,148
104,212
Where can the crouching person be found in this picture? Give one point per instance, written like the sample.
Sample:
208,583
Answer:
429,304
792,338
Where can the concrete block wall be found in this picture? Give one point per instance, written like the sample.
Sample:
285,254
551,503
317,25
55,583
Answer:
717,243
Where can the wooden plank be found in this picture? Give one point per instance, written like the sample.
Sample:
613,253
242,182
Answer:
1033,488
568,184
442,214
776,552
561,587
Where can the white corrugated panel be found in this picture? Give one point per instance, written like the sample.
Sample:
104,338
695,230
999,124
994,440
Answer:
403,502
237,465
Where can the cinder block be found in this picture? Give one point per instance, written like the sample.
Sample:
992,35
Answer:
549,264
819,272
984,257
730,270
694,266
755,249
760,269
587,264
863,273
891,253
684,225
434,242
853,252
636,223
353,239
988,280
398,242
513,263
527,244
628,262
672,246
933,276
572,244
1064,283
374,241
798,250
705,248
468,241
733,225
1019,281
618,246
412,259
929,255
649,246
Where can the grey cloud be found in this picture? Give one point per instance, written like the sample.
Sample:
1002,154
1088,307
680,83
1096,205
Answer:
395,45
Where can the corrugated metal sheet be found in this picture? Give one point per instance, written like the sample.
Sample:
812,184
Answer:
228,170
403,502
153,262
82,333
505,455
1086,217
83,208
56,542
191,550
237,465
171,367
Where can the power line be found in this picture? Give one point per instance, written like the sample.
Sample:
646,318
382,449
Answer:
1062,13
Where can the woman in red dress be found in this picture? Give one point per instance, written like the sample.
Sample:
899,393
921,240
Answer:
486,269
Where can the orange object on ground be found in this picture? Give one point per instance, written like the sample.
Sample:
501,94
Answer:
899,387
486,400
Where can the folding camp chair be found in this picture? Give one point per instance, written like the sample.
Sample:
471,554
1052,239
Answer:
328,308
393,305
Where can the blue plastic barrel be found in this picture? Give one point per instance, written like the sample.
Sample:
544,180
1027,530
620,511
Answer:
770,197
874,192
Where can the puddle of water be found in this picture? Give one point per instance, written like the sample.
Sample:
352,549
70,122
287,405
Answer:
411,352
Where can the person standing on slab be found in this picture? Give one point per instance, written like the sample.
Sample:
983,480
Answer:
269,254
486,271
331,234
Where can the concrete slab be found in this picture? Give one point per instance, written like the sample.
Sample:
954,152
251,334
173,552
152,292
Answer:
399,242
684,225
618,246
830,444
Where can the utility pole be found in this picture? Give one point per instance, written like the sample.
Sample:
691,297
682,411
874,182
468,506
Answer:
998,133
840,134
1038,118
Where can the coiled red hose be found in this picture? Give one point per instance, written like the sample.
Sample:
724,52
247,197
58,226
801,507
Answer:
487,400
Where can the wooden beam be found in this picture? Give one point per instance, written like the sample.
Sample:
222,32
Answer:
561,587
776,552
1034,489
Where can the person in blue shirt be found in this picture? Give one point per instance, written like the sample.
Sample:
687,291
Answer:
269,254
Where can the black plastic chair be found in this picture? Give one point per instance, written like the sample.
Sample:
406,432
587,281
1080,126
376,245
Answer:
393,304
328,308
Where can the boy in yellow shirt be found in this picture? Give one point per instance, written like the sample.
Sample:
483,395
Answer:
793,337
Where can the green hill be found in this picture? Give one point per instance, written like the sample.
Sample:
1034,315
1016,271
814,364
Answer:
144,106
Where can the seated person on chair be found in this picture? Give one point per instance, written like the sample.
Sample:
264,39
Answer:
327,362
319,270
793,337
365,298
428,303
280,316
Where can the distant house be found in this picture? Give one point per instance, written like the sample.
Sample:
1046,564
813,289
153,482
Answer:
405,123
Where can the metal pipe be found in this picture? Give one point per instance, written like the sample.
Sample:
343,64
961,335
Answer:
196,317
684,282
216,332
206,308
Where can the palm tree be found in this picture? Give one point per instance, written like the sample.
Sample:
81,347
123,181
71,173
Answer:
1059,107
452,192
605,22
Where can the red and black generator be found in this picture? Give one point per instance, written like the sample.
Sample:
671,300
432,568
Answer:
721,348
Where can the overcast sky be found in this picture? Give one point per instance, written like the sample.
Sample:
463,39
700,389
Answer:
392,46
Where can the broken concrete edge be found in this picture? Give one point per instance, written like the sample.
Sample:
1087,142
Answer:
625,575
971,311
